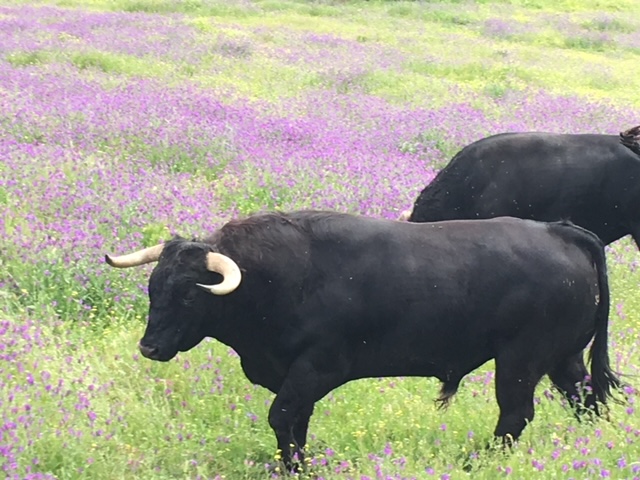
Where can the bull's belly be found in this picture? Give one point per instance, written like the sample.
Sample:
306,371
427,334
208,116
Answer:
405,360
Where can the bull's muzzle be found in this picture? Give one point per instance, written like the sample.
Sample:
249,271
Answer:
148,351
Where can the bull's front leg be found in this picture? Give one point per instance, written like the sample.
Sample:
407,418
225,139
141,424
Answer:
307,381
301,427
287,416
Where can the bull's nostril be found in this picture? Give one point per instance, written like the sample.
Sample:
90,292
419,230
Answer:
147,351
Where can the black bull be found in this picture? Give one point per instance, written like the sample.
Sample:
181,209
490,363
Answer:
312,300
591,180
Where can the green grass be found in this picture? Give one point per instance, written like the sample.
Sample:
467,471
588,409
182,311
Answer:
117,63
21,59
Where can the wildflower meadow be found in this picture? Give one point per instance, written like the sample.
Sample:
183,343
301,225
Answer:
123,122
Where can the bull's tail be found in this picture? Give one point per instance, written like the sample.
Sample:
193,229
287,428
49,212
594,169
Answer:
631,139
603,378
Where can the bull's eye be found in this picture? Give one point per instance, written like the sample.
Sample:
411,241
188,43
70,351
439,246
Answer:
188,299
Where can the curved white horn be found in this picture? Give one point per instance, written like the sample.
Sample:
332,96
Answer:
146,255
216,262
404,216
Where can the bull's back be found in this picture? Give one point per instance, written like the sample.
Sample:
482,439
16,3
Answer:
457,269
590,179
478,260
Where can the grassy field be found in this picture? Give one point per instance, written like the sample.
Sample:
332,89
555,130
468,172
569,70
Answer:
125,121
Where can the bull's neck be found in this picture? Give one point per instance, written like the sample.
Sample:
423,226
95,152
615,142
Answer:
236,327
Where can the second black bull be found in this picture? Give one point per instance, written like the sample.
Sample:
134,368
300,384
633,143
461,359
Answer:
312,300
592,180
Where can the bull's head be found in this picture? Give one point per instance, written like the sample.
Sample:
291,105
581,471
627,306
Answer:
178,308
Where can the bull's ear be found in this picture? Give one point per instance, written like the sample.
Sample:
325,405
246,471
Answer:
231,276
631,139
146,255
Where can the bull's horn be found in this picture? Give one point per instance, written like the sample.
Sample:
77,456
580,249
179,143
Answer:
216,262
146,255
404,216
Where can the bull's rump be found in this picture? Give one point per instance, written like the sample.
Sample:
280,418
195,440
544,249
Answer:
432,299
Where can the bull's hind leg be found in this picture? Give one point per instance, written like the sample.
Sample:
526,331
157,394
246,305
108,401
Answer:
516,380
570,377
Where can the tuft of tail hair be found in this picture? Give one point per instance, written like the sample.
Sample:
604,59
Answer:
631,139
447,391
